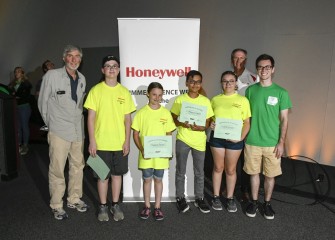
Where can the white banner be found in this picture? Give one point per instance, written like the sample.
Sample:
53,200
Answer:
157,50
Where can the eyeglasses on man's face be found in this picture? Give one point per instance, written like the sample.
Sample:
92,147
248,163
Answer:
111,67
195,82
267,67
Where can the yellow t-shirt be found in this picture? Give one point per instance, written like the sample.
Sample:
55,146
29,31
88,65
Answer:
234,106
194,139
150,122
110,104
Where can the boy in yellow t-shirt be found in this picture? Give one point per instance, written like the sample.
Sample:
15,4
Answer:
191,137
152,120
109,107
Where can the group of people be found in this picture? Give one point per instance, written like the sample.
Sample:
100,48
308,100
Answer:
263,112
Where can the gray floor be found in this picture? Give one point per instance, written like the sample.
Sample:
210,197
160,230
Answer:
24,214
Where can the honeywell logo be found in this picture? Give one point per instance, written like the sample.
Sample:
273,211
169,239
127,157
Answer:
158,73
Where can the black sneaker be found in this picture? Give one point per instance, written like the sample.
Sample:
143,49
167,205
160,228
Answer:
252,209
231,205
200,203
216,203
268,211
182,205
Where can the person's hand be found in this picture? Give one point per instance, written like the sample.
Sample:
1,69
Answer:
195,127
279,150
186,125
212,126
125,149
92,149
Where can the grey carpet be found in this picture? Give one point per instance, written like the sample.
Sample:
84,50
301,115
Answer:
25,214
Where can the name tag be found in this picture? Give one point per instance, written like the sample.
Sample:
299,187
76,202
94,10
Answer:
272,101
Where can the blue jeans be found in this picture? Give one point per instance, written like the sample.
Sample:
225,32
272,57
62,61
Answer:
150,172
182,151
24,112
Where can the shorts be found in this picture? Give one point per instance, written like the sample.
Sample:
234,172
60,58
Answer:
261,159
117,163
150,172
223,143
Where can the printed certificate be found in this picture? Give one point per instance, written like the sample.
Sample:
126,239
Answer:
157,146
193,113
99,166
228,128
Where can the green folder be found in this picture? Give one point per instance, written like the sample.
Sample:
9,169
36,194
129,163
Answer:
99,166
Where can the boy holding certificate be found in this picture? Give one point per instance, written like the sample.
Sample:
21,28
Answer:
230,126
109,107
153,120
191,137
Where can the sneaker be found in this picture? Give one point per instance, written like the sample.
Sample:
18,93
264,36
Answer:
103,213
117,212
252,209
216,203
200,203
81,206
268,211
231,205
158,214
145,213
24,150
182,205
59,213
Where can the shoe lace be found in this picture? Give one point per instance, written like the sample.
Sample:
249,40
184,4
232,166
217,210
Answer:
268,208
216,200
145,211
252,205
181,201
201,202
158,212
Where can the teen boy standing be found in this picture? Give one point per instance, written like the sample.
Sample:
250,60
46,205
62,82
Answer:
109,107
192,138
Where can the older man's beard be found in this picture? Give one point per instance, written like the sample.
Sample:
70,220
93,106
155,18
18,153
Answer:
71,67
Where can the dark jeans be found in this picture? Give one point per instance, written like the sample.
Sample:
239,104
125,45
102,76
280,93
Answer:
24,112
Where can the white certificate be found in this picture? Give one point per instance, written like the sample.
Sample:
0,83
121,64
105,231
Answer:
157,146
193,113
228,129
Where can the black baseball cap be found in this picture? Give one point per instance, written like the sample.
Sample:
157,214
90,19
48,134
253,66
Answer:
109,58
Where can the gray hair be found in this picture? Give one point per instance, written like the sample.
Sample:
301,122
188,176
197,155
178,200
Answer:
70,48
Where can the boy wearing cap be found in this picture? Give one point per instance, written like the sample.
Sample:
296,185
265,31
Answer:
109,107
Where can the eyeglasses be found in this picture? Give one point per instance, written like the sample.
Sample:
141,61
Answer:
267,67
111,67
195,82
226,82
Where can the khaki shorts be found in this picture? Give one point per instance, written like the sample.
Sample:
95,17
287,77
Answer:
261,158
